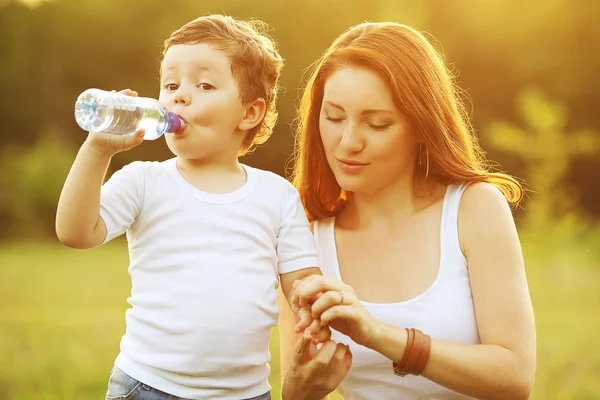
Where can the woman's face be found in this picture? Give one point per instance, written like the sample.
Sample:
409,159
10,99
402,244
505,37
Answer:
368,142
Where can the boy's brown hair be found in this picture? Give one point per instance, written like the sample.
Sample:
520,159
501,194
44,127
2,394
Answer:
255,62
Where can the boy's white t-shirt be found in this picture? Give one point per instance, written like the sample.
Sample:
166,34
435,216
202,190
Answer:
204,270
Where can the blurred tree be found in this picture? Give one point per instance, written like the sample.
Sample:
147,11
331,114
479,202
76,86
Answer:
547,150
52,50
31,182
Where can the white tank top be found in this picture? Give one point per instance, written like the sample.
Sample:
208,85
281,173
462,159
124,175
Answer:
444,311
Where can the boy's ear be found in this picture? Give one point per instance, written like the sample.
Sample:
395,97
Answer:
254,112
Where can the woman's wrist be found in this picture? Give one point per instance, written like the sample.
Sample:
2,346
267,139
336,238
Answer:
388,340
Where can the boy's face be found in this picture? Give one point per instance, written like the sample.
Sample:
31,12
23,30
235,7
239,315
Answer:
198,85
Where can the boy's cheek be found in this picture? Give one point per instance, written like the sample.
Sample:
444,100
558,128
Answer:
163,97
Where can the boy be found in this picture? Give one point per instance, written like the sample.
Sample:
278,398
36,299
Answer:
208,237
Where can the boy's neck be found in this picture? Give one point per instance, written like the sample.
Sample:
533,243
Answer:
211,177
202,167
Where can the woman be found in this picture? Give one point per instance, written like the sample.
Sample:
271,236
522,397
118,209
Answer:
423,272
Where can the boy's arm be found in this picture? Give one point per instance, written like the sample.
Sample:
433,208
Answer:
296,249
287,280
78,222
287,337
297,237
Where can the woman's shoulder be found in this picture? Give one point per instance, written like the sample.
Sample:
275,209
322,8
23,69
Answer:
481,196
483,212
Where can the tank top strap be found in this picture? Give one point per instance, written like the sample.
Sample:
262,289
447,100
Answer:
449,228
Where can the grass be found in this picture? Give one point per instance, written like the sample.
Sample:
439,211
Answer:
62,317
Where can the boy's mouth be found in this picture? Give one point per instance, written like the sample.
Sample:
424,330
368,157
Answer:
182,127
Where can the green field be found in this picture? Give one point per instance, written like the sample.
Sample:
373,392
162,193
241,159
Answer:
62,315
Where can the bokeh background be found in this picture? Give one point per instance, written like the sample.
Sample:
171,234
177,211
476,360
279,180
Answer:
530,72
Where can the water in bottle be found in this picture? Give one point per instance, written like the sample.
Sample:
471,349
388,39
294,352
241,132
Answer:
101,111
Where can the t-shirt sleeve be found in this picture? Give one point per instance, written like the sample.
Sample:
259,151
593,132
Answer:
296,247
121,199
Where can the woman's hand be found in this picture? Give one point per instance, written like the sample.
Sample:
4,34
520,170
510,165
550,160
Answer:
314,373
335,304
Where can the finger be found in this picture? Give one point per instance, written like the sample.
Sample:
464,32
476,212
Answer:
330,299
295,309
305,319
134,140
339,355
338,312
323,335
323,357
299,283
294,301
347,362
318,283
341,360
302,349
128,92
138,137
313,329
295,285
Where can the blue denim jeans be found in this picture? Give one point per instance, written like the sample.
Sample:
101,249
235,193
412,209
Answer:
123,387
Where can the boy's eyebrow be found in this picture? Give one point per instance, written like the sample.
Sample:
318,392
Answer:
198,66
364,112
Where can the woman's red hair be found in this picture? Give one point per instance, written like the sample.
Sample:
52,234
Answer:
421,86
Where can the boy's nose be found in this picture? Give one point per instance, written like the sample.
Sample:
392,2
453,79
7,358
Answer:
181,97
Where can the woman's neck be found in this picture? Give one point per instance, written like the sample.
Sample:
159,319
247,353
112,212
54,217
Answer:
388,205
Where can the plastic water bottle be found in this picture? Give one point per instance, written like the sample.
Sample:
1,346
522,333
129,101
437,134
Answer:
102,111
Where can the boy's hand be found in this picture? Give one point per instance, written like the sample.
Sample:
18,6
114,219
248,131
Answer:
317,333
109,144
308,326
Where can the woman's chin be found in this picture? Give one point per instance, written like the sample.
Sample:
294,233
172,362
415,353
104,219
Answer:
354,186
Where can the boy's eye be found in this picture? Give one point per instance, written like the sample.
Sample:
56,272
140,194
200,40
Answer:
206,86
171,86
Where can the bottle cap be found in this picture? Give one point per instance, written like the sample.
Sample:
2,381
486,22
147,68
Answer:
174,122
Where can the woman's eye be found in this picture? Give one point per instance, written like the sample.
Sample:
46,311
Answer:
379,127
332,119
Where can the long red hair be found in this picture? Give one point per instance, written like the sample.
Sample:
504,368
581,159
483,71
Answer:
421,86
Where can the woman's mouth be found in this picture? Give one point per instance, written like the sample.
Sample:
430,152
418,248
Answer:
351,166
